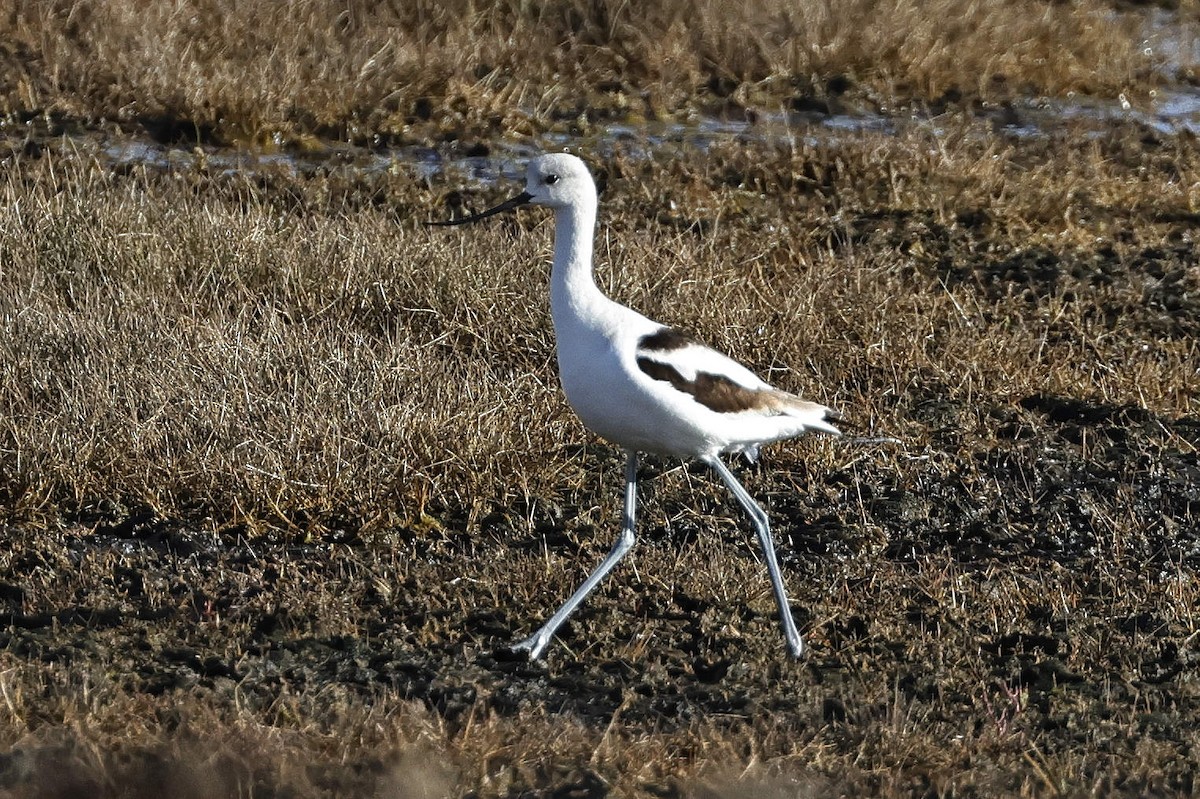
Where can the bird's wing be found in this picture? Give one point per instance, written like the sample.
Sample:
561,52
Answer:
714,380
720,383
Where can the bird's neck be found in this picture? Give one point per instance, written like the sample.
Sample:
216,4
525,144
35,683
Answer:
572,286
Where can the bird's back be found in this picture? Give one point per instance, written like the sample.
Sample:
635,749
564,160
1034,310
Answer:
645,386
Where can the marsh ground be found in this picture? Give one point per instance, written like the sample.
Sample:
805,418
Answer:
283,470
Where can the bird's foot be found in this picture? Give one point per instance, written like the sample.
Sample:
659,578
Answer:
531,646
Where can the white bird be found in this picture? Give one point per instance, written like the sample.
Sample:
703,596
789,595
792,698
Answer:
645,386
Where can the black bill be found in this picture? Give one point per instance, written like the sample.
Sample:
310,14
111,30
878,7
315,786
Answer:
515,202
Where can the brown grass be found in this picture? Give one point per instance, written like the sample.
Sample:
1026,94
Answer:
252,348
269,72
281,468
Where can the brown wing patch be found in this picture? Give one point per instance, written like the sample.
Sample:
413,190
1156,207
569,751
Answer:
665,339
715,392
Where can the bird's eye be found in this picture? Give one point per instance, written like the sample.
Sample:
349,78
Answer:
551,180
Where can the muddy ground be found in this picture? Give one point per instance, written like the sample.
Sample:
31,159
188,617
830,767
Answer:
1011,618
1003,603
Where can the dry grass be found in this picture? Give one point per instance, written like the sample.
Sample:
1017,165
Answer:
281,468
257,349
270,72
205,346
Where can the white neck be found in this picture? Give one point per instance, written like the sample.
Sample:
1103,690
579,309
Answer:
572,287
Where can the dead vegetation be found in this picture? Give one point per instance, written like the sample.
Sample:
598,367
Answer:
267,73
281,470
254,347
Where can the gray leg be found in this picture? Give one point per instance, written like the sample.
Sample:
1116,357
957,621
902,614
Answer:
764,539
535,643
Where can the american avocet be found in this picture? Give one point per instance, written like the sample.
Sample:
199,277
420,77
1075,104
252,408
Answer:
647,387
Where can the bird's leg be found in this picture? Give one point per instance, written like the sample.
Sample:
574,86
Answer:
759,517
535,643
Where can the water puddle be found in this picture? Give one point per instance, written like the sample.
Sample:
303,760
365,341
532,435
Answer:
499,161
1172,112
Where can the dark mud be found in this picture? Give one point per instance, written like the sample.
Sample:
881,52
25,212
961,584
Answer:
1037,591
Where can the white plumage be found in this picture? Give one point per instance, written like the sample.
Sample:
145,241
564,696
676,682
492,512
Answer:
644,386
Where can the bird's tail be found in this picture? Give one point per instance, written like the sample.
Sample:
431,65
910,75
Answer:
814,415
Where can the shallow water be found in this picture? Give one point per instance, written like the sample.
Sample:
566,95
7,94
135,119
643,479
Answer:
1171,112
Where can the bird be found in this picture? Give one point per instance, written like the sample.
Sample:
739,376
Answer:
647,387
